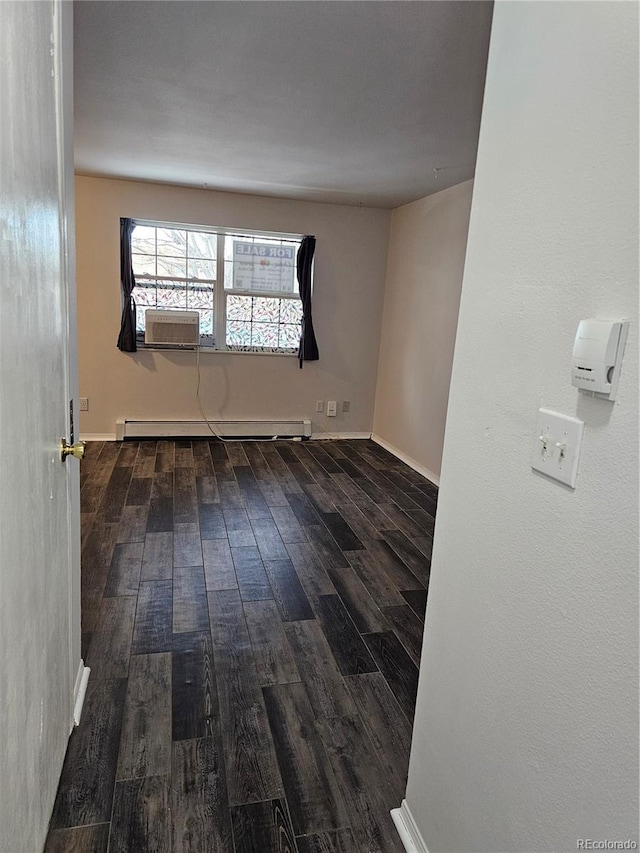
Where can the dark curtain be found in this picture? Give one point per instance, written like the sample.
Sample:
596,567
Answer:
127,336
308,349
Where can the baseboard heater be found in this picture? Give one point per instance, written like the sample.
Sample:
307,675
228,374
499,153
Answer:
226,429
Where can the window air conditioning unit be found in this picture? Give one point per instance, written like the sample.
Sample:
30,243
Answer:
172,328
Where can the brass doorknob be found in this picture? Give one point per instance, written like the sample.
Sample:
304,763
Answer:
76,450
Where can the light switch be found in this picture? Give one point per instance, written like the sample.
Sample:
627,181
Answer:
556,446
332,408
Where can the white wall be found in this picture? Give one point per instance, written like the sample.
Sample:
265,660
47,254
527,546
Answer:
427,245
526,730
350,264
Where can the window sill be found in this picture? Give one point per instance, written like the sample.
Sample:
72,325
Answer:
142,347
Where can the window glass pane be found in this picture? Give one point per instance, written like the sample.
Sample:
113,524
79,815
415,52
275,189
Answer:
238,333
206,322
143,239
200,296
172,242
265,310
201,245
144,264
199,268
239,307
290,311
264,334
145,296
174,267
170,296
289,336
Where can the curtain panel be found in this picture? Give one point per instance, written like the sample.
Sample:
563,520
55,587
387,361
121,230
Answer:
308,349
127,336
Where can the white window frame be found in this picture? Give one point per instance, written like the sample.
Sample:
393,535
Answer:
220,292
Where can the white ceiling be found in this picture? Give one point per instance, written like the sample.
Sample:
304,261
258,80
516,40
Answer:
346,102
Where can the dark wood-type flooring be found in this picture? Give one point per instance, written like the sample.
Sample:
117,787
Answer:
252,613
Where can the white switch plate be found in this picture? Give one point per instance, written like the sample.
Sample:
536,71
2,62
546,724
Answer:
556,446
332,408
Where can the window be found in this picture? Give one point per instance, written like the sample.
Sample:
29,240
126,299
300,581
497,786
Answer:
257,308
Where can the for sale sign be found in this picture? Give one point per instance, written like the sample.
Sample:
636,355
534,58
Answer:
263,267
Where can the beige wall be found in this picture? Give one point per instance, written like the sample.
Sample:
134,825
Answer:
424,278
348,295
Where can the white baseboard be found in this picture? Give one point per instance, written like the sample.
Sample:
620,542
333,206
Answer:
347,435
408,830
79,691
98,436
407,460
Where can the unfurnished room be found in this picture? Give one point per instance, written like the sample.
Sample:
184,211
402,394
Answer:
319,405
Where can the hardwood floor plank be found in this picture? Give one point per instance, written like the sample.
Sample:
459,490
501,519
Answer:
157,557
340,841
280,471
219,572
207,489
287,590
79,839
252,496
190,612
314,799
408,628
402,520
185,499
124,574
230,496
387,562
387,728
127,454
152,629
319,498
362,609
252,769
111,643
287,524
263,827
318,669
218,450
414,559
160,518
350,652
139,493
397,667
364,787
417,601
363,502
310,569
250,573
269,541
85,792
194,704
304,510
145,464
184,454
162,486
239,528
187,549
98,550
202,464
341,532
145,740
165,456
211,519
133,524
141,816
199,809
274,659
115,494
326,546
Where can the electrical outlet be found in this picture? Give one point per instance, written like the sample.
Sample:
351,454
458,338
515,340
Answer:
84,404
332,408
319,406
346,406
